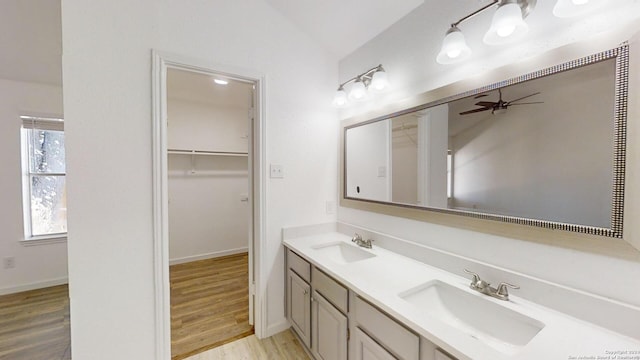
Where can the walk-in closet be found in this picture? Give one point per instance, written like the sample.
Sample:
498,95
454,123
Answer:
208,135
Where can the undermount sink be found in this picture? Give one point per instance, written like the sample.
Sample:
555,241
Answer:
342,252
499,327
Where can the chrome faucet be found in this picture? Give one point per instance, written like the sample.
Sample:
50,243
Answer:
363,243
484,287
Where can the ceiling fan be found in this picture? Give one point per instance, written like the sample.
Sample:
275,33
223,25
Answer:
500,106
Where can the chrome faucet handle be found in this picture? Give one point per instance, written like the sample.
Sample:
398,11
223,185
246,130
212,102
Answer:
356,238
476,278
368,243
502,292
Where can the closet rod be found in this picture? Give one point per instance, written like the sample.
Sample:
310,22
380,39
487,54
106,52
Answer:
202,152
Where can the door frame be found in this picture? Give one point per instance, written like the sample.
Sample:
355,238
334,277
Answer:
161,62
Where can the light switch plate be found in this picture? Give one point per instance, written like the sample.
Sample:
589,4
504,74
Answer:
382,171
277,172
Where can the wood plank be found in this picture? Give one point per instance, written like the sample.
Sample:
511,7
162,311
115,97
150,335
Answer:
209,304
282,346
34,324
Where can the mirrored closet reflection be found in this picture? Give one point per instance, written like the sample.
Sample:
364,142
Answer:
208,136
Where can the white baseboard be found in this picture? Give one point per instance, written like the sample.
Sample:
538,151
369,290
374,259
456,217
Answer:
278,327
34,286
212,255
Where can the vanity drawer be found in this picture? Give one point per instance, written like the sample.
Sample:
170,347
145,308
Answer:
299,265
386,331
332,290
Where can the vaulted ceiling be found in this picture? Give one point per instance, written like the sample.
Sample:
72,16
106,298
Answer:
31,41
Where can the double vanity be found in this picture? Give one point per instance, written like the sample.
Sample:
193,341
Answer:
346,301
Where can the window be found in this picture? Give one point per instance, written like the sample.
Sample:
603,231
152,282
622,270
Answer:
43,167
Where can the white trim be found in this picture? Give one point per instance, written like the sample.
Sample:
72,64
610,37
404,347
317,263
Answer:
44,240
212,255
278,327
161,61
34,286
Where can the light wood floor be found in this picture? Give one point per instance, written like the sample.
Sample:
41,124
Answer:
209,308
209,304
34,325
282,346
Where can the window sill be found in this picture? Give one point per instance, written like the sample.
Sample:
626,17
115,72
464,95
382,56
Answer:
44,240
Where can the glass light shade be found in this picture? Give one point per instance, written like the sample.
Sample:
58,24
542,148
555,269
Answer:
454,47
379,81
358,91
507,25
340,98
569,8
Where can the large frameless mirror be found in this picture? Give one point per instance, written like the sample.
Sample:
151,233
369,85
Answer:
544,149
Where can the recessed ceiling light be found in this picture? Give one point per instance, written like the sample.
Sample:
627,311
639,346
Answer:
220,81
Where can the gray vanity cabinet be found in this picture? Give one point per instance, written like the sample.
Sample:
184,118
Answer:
299,296
317,308
299,306
329,330
367,349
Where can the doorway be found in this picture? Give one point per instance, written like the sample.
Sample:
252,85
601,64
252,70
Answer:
207,202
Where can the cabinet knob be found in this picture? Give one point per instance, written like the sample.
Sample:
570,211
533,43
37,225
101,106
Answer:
306,292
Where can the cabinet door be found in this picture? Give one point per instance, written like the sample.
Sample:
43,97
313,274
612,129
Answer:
329,330
299,306
368,349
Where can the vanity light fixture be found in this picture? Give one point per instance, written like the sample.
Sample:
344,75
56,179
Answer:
569,8
507,26
220,81
374,80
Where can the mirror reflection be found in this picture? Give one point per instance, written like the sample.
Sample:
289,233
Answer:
540,149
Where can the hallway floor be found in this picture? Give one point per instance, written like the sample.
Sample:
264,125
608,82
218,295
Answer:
209,304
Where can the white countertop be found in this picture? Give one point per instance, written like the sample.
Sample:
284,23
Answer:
380,279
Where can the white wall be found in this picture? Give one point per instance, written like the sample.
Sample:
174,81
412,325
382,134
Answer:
368,161
207,217
107,77
412,68
41,265
206,127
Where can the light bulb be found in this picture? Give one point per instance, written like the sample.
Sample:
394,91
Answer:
507,25
454,47
505,30
358,91
220,81
379,81
340,98
454,53
569,8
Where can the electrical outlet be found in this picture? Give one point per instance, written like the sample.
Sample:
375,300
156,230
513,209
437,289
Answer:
9,262
277,172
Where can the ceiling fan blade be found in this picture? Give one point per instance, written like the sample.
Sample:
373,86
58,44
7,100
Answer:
475,111
528,103
481,95
524,97
486,103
